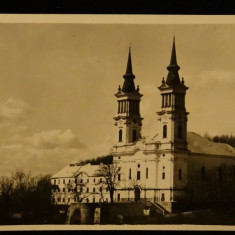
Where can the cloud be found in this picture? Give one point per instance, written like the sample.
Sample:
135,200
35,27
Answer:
15,110
54,139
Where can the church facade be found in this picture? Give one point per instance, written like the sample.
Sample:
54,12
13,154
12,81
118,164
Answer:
173,167
167,169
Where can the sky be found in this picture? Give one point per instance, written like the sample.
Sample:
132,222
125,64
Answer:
57,85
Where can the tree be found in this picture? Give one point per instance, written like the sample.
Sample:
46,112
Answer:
110,174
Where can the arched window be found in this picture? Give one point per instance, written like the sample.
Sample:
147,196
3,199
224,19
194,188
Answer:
134,137
165,131
120,135
179,131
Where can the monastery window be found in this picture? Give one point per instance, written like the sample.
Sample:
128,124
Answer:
203,171
63,189
147,173
58,181
100,179
101,189
63,181
163,175
54,181
93,190
130,173
87,190
94,180
120,135
119,177
134,136
180,131
118,197
219,173
93,200
81,190
163,197
165,131
138,175
87,180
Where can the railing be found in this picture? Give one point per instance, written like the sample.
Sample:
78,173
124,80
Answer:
159,207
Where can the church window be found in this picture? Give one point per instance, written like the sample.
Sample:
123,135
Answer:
130,173
138,175
203,173
93,190
147,173
87,181
118,197
63,189
163,197
94,180
87,190
180,174
179,131
134,136
120,136
63,181
165,131
163,175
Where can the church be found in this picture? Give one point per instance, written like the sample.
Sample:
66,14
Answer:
174,167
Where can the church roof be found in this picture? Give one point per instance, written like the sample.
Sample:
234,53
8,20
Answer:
129,85
173,75
199,144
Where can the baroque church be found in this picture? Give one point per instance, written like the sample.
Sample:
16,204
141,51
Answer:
175,167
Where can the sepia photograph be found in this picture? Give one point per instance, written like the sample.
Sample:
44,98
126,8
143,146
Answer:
117,120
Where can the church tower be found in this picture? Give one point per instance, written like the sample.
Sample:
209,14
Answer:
128,121
172,119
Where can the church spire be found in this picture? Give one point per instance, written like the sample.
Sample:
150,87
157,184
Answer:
173,67
129,85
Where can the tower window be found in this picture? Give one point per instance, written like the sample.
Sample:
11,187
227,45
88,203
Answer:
134,136
180,174
138,175
163,175
179,131
165,131
120,136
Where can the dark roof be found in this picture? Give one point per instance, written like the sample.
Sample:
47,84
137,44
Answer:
173,75
129,85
